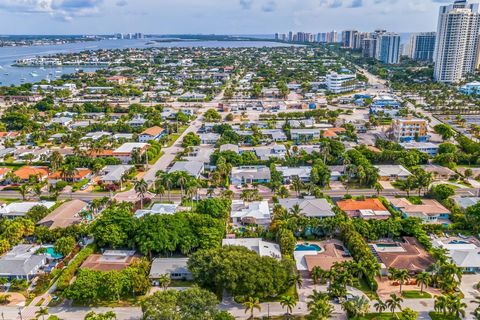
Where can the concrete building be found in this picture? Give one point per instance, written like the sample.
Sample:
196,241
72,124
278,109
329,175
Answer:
348,38
388,48
456,49
410,129
341,82
422,46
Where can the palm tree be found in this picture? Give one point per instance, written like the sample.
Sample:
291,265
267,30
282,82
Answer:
378,187
141,188
288,302
181,181
251,304
394,303
423,279
297,185
164,281
320,307
440,304
159,190
317,274
401,275
296,211
380,306
168,182
455,306
56,160
41,312
24,189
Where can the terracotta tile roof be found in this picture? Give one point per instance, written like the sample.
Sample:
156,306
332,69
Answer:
9,134
80,174
326,259
25,172
367,204
4,170
153,131
102,153
414,259
428,207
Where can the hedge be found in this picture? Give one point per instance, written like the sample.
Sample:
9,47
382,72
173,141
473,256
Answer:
69,272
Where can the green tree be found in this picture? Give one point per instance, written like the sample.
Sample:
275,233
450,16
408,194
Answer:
394,303
251,304
65,245
42,312
423,280
141,188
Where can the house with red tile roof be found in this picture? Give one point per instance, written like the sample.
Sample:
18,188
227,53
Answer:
371,208
25,172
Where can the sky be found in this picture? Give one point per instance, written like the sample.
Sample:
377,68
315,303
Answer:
214,16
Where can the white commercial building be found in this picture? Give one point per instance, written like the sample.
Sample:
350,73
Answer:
341,82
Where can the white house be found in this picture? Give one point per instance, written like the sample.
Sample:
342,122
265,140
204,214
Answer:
257,212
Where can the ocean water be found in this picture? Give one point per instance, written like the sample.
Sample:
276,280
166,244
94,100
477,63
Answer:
10,75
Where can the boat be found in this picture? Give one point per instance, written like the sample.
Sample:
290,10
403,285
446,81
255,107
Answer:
58,71
33,74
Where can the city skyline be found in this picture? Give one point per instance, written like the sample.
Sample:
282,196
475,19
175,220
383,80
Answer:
214,16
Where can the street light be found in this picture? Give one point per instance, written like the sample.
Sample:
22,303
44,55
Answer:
19,313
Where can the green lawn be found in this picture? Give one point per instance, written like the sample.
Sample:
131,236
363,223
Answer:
440,316
365,288
414,294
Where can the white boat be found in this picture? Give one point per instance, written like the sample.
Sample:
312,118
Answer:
58,71
33,74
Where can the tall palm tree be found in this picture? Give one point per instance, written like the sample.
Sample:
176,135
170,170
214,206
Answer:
42,312
394,303
251,304
168,182
319,307
423,279
400,275
24,189
297,185
181,181
288,302
380,306
141,188
378,187
296,211
317,274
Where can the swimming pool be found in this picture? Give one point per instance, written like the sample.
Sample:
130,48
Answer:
51,252
387,245
307,247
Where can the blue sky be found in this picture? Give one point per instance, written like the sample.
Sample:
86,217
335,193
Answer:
214,16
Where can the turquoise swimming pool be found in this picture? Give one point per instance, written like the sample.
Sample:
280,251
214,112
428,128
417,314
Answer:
51,252
307,247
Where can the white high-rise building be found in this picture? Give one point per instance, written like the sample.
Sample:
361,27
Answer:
456,49
388,48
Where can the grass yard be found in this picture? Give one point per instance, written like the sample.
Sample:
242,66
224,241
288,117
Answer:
414,294
441,316
365,288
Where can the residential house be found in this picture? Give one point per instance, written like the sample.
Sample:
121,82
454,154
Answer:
276,135
464,253
464,203
113,174
25,172
67,214
78,175
370,208
426,147
407,255
250,174
430,211
305,134
392,172
125,152
20,209
229,147
289,173
192,168
439,173
22,262
175,268
264,153
336,172
158,208
244,213
209,138
261,247
309,206
332,252
153,133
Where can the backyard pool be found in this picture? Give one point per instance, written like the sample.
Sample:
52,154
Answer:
307,247
51,252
